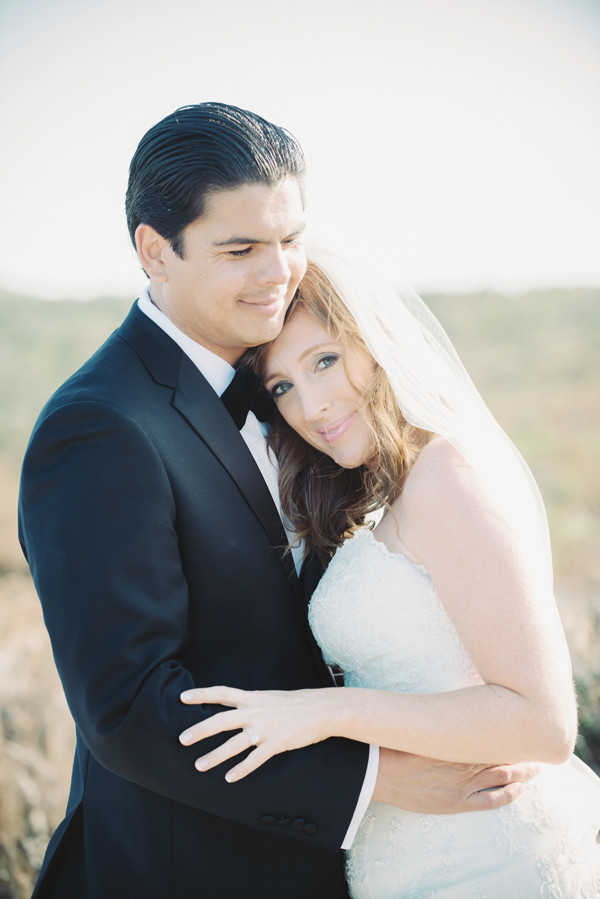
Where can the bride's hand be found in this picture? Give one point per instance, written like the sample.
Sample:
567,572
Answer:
273,721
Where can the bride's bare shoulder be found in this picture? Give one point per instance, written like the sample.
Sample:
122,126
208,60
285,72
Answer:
440,476
445,503
437,463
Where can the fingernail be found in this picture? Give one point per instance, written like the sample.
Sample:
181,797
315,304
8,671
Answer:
187,694
185,737
200,765
230,777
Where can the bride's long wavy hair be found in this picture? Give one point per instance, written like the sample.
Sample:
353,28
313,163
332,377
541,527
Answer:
324,502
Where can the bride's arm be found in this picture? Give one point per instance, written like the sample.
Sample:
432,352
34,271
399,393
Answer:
504,615
525,709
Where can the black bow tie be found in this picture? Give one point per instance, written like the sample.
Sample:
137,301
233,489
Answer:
245,394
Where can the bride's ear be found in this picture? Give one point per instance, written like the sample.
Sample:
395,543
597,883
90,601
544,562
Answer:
152,250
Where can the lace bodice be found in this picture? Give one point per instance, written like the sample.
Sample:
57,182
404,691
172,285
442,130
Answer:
377,615
397,636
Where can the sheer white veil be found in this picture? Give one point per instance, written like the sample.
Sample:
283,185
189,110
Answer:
435,393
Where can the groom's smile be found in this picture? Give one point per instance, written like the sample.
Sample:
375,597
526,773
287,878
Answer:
242,262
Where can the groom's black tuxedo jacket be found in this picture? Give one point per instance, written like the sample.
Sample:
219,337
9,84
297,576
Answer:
149,531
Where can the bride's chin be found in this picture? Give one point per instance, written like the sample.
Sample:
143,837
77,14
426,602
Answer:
349,463
346,458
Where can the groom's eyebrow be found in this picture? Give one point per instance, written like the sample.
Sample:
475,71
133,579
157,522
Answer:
254,240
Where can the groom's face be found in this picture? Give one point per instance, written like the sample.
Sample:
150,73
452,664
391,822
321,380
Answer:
242,263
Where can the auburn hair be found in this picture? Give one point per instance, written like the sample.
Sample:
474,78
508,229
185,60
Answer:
324,502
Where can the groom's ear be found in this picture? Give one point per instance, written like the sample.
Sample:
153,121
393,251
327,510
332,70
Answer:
151,250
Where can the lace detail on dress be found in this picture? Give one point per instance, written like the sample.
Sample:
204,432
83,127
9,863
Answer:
367,822
393,859
371,640
377,615
550,886
506,830
480,890
357,868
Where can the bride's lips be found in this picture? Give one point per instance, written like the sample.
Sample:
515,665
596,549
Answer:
334,430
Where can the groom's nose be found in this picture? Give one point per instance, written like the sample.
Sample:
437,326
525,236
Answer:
275,268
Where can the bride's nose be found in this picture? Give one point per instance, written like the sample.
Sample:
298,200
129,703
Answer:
315,403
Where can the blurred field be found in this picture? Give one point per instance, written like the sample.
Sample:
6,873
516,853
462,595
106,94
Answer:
41,343
535,359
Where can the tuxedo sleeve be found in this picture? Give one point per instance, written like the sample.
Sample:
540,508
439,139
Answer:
98,524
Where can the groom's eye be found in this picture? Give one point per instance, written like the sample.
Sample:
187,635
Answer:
238,253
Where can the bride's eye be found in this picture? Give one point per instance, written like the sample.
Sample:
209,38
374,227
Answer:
326,361
280,389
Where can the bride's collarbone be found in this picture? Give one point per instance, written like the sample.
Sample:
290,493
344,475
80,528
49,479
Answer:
436,461
390,531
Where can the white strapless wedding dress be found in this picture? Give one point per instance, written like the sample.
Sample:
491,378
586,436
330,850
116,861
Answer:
378,616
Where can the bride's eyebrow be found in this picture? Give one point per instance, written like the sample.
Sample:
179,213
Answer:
272,377
313,349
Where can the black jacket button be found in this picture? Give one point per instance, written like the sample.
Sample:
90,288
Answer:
283,821
298,824
309,829
267,819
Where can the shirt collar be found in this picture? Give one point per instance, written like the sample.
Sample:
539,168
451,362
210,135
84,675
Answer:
217,371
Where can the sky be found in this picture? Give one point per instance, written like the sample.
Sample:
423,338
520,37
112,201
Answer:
454,144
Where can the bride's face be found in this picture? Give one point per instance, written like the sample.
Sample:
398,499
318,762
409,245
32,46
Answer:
305,374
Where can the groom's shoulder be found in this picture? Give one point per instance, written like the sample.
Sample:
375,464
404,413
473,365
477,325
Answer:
122,372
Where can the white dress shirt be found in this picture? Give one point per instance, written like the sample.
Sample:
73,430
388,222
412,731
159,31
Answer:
219,375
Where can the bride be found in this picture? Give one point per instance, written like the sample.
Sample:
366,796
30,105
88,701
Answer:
441,617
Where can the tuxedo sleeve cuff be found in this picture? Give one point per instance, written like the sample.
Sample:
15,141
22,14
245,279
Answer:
365,796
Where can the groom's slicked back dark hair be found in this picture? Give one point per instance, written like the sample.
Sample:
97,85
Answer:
196,151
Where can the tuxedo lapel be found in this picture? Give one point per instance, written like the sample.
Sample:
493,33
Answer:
203,409
196,400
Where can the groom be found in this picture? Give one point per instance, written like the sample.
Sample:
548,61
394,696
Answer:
149,515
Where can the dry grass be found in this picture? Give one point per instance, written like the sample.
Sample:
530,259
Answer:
36,738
